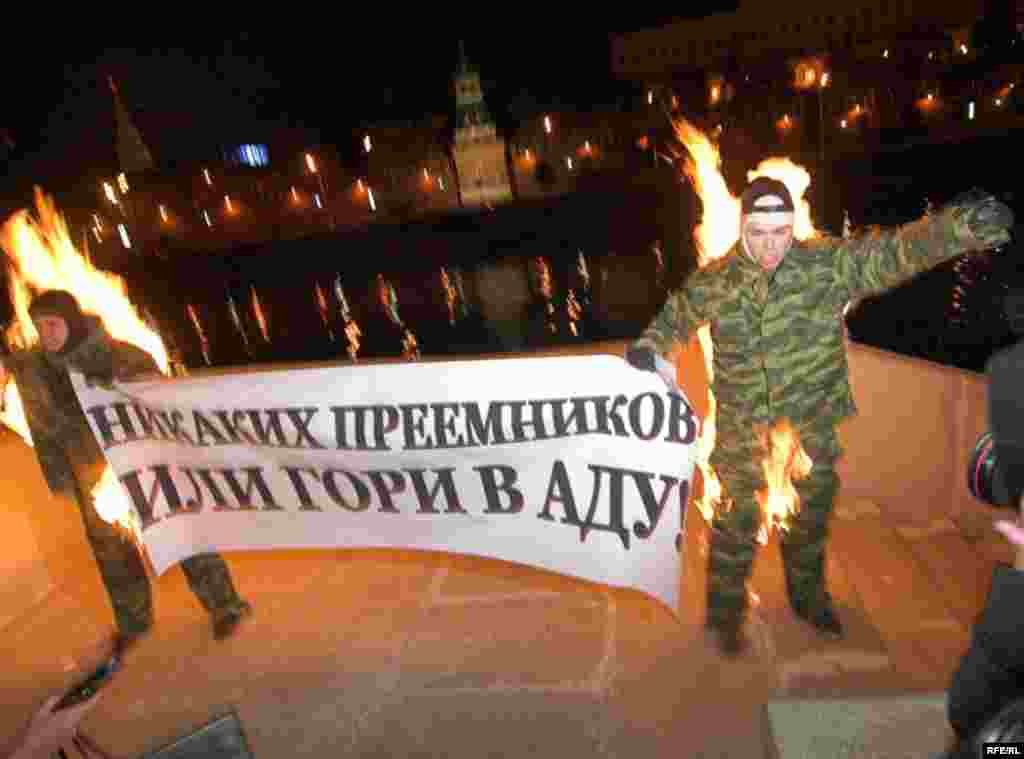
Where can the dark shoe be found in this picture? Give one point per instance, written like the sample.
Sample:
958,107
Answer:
226,622
730,640
125,642
823,618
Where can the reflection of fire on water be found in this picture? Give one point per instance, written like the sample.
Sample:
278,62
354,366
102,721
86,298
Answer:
352,331
321,305
257,310
42,257
204,342
718,231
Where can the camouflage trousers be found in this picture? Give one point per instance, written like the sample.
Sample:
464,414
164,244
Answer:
124,575
737,460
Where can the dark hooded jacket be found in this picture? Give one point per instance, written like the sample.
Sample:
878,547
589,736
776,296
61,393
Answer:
991,674
65,445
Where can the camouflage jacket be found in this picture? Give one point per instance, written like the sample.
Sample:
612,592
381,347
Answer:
778,337
65,446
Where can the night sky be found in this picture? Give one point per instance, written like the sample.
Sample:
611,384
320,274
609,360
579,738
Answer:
192,89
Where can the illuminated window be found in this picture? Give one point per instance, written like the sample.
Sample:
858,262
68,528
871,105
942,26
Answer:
250,155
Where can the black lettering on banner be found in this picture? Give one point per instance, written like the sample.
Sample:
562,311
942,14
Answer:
305,499
413,426
173,419
426,498
204,474
678,404
482,432
300,419
519,424
385,420
362,491
560,481
560,491
234,426
577,418
163,484
244,495
385,491
150,423
492,488
106,425
654,508
635,417
204,425
445,434
615,519
606,414
270,433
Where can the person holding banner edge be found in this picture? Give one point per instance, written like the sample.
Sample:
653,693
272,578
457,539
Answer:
73,463
774,307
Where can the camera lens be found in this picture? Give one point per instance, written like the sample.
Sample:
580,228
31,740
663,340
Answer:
984,480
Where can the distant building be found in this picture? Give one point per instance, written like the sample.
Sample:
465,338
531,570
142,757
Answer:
478,150
758,30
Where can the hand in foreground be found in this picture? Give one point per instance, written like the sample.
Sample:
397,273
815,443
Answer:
1014,532
987,219
48,730
647,360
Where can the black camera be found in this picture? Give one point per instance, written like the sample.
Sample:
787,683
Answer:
995,471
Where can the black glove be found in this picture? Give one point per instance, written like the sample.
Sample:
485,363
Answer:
987,218
640,358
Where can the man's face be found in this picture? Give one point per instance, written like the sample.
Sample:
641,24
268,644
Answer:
53,332
768,242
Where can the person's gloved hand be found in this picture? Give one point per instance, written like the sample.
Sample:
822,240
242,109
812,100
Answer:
987,218
647,360
641,358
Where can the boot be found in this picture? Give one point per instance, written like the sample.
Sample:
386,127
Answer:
226,621
821,616
805,587
729,639
729,562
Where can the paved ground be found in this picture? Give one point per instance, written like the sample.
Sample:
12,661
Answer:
379,653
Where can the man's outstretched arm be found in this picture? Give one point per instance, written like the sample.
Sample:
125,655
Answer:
882,259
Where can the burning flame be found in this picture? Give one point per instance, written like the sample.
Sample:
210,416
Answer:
715,235
720,227
785,462
41,256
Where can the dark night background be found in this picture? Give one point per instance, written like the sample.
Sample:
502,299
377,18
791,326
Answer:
193,90
225,86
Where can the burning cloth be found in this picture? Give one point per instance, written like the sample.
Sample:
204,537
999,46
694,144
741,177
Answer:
73,463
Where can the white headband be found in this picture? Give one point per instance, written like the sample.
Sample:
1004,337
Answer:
770,210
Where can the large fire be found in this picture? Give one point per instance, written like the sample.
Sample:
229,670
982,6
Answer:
41,256
715,235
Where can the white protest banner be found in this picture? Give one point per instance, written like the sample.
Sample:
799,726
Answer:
580,465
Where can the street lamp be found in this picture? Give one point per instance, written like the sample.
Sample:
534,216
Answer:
810,73
314,169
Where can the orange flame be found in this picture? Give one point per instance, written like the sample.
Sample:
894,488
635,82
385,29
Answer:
720,225
786,461
715,235
41,256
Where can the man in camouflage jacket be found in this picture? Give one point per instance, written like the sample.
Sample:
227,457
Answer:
73,462
775,312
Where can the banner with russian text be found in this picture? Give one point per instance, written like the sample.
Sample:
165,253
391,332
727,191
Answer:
580,465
